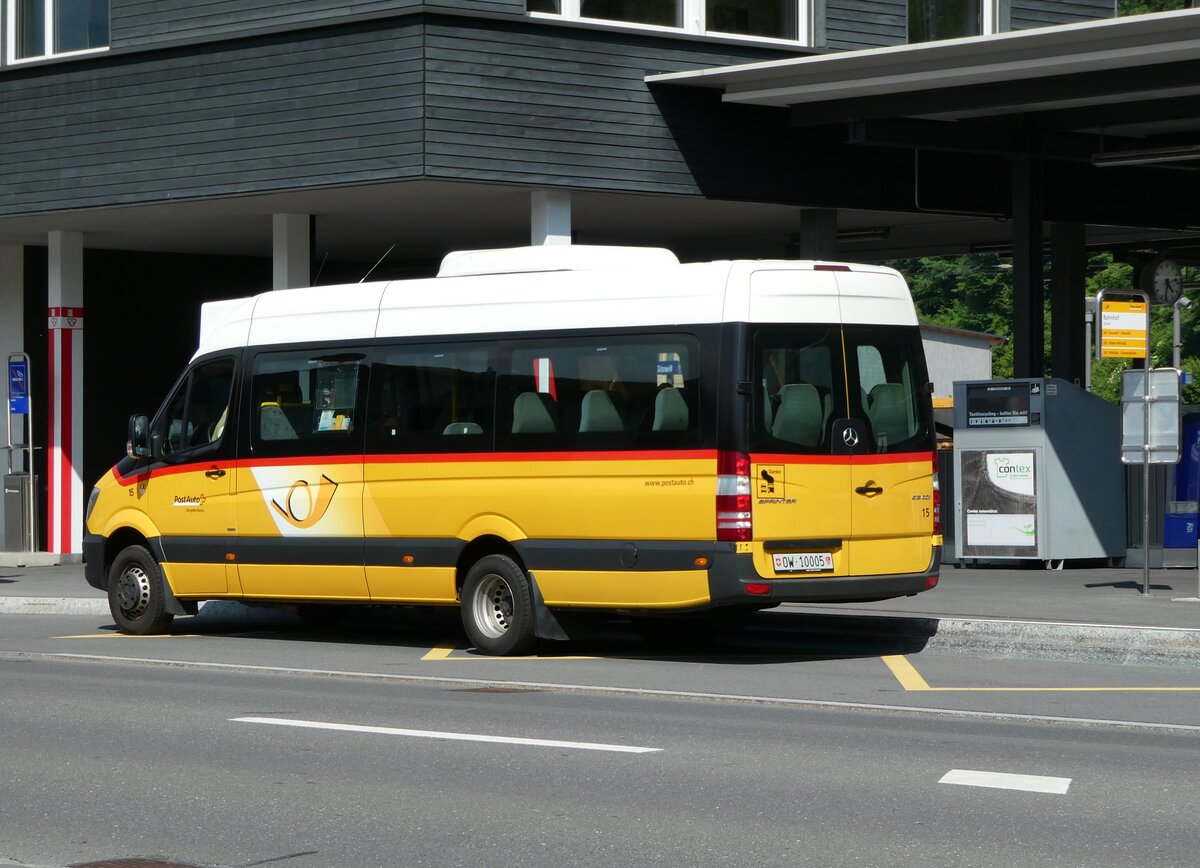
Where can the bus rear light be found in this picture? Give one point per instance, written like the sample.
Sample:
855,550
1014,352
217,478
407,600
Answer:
931,582
937,498
734,518
759,589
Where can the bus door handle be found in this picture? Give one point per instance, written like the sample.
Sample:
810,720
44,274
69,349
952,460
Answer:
869,490
215,473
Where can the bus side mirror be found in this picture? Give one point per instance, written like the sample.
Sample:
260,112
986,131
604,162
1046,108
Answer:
138,443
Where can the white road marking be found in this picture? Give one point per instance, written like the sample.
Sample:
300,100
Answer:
447,736
606,690
1003,781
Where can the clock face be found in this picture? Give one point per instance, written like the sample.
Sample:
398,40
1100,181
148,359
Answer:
1163,278
1168,282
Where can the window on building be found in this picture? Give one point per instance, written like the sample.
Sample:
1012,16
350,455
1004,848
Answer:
775,18
47,27
668,13
943,19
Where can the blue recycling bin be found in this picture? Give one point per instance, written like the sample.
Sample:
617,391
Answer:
1183,510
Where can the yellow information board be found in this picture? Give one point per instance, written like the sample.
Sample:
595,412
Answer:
1123,329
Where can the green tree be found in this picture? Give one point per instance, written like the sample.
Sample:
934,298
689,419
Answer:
974,292
1141,7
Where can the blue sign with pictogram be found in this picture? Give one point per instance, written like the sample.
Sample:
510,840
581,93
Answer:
18,386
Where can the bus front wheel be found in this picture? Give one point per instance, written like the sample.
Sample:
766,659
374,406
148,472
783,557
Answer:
497,607
136,596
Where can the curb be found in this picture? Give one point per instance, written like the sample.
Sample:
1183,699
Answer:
53,606
1048,640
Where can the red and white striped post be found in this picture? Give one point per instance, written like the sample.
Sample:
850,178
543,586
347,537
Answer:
64,523
64,377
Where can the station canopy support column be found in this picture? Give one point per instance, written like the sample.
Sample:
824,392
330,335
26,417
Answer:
818,234
1068,273
291,251
1029,342
64,375
549,217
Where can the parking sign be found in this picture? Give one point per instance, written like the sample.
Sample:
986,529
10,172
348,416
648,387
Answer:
18,386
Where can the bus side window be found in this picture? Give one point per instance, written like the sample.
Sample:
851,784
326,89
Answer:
307,402
197,412
432,398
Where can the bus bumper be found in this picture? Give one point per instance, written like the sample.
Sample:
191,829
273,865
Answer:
734,581
93,561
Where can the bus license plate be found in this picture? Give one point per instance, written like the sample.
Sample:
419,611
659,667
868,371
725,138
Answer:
812,562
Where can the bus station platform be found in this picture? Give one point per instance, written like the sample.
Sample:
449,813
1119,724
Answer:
1088,613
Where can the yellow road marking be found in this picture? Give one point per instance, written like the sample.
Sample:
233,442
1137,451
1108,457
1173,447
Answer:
447,647
910,679
906,673
442,651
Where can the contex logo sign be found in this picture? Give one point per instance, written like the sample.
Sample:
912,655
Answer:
1012,471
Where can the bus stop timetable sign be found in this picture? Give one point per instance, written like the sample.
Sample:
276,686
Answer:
18,386
1123,329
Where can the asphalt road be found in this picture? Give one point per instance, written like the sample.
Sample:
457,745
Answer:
364,748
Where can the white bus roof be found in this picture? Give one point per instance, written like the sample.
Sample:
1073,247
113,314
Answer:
561,288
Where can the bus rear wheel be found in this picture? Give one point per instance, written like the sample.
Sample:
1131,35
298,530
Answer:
136,595
497,607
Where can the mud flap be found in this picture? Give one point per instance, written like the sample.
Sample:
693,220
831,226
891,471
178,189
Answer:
545,623
173,606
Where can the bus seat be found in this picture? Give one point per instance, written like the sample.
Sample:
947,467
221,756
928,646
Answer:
598,413
888,413
531,415
273,424
463,428
670,410
798,419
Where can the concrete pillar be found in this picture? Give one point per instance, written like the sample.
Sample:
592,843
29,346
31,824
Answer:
1068,276
1029,342
12,340
550,217
64,376
291,250
818,234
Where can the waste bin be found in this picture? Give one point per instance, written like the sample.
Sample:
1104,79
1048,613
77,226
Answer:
17,516
1182,518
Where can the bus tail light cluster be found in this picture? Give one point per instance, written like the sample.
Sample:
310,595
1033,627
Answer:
734,519
937,498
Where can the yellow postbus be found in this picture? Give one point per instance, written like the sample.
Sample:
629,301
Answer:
535,430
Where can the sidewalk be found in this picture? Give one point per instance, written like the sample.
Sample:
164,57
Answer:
1090,614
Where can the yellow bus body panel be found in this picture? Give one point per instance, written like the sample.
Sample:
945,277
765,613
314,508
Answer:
430,585
629,498
649,590
893,531
801,498
317,500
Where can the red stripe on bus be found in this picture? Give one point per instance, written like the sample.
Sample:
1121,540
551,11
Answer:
847,460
